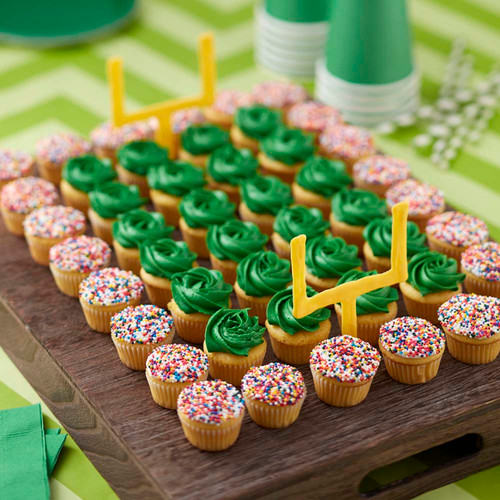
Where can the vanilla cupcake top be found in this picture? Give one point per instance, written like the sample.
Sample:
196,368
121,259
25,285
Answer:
182,119
108,136
483,260
55,222
347,142
27,194
471,315
83,254
411,337
381,170
177,363
423,199
313,116
110,286
228,101
457,229
278,95
143,324
59,148
14,164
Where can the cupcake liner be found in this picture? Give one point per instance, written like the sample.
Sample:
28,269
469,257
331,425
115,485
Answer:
292,354
281,247
222,120
103,152
40,247
197,160
320,284
190,327
378,189
50,171
68,282
273,417
99,317
265,222
128,258
195,238
233,192
131,178
309,199
353,235
226,267
158,289
74,197
257,305
240,140
102,228
13,221
167,205
285,172
472,351
446,248
374,263
475,284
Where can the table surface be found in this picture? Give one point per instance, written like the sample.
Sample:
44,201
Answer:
43,92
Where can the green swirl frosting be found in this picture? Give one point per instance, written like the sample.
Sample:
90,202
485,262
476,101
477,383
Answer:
85,172
235,239
233,331
175,177
257,121
203,208
232,166
292,221
279,313
200,290
376,301
165,257
139,156
431,272
263,273
323,176
378,234
203,139
266,195
357,207
288,145
329,257
113,198
136,226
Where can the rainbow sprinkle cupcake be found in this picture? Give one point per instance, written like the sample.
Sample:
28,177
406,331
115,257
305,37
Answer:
13,165
279,95
313,117
481,265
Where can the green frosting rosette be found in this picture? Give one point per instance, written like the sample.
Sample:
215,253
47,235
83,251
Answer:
200,290
376,301
357,207
292,221
257,121
288,145
235,239
138,156
378,234
329,257
113,198
165,257
203,139
279,313
233,331
86,172
203,208
431,272
263,273
322,176
266,194
175,177
230,165
136,226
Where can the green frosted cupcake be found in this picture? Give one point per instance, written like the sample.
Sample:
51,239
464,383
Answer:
198,142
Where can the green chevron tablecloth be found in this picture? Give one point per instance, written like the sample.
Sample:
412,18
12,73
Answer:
42,92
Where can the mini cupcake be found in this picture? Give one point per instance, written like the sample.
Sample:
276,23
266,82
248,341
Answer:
472,326
452,233
221,112
481,265
293,221
378,244
258,277
211,413
261,200
317,181
160,260
169,183
196,295
172,367
412,349
284,151
352,210
230,242
252,124
108,291
107,202
373,309
198,142
133,228
20,197
313,117
79,176
327,260
233,344
228,167
343,369
346,143
134,161
432,280
72,260
14,165
273,394
137,331
181,120
279,95
54,151
379,172
424,201
293,338
47,226
199,210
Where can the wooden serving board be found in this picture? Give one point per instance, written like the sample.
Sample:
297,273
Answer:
141,450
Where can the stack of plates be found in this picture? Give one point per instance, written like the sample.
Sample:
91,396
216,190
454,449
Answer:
288,48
